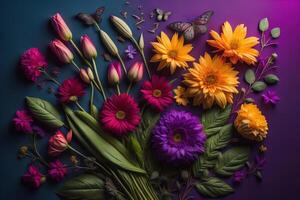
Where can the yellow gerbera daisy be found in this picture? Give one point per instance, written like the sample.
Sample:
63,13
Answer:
180,96
234,44
211,81
171,53
251,123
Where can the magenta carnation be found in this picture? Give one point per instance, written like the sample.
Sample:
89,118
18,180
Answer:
32,61
33,177
70,90
57,170
157,92
120,114
23,121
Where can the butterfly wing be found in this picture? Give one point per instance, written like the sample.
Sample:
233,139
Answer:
204,18
179,27
98,14
189,33
200,29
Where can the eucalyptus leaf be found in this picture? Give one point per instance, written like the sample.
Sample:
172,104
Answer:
259,86
232,160
44,112
263,24
82,187
214,187
275,32
250,76
271,79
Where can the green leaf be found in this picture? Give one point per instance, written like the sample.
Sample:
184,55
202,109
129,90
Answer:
263,24
259,86
275,32
44,112
215,118
271,79
94,111
82,187
249,76
232,160
214,187
136,149
99,145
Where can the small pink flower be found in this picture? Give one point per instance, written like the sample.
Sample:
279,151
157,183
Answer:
33,177
58,143
61,51
23,121
88,48
114,73
136,72
57,170
61,27
157,92
70,90
32,61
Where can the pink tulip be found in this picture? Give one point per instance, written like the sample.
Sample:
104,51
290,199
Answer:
114,73
88,48
61,27
61,51
136,72
59,143
84,76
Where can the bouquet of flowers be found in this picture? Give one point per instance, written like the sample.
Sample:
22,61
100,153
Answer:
144,150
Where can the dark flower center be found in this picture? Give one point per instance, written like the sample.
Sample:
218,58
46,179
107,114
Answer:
211,79
73,98
177,137
172,54
120,114
234,43
156,93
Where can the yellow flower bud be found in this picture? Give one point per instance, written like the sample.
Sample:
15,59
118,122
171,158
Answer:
121,26
108,43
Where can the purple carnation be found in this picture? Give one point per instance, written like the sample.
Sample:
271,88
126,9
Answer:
178,138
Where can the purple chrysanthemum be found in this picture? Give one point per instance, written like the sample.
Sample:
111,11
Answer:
178,138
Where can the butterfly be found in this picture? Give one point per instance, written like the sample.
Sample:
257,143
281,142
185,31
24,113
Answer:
90,19
162,15
191,29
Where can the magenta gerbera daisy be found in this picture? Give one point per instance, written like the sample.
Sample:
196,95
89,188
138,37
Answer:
120,114
157,92
70,90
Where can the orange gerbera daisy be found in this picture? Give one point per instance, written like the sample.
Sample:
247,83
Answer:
171,53
234,44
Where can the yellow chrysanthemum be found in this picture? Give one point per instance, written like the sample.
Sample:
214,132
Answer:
234,44
211,81
171,53
251,123
180,96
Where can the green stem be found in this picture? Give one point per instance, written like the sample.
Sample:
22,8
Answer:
79,106
92,97
75,65
118,89
129,87
50,77
98,79
80,53
122,63
37,152
143,56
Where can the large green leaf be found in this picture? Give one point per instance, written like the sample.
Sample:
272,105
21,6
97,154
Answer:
214,119
232,160
99,145
250,76
214,187
44,112
83,187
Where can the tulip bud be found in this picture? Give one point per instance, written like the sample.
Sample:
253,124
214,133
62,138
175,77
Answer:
88,48
136,72
114,73
108,43
141,41
59,143
84,76
90,74
61,51
121,26
61,27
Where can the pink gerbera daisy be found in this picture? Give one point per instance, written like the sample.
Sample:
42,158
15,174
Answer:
70,90
32,61
23,121
157,92
120,114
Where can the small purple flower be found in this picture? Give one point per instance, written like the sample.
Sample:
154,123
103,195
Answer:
130,51
260,162
270,97
178,138
239,176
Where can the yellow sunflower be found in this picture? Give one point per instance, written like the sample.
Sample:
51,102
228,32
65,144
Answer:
180,96
211,81
251,123
234,44
171,53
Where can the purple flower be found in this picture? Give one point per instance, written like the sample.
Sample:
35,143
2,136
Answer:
57,170
260,162
270,97
130,51
33,177
178,138
239,176
23,121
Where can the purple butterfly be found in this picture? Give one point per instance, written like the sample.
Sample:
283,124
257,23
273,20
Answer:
191,29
